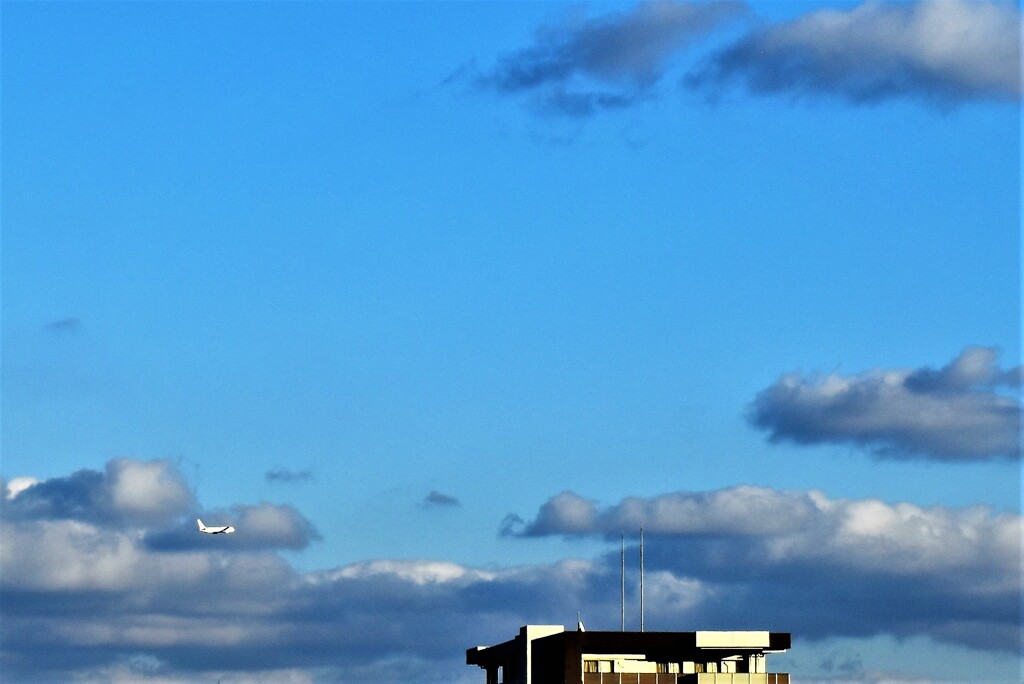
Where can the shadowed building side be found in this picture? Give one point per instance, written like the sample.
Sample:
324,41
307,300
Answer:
547,654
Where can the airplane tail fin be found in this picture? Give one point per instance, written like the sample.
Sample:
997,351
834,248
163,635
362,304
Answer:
200,523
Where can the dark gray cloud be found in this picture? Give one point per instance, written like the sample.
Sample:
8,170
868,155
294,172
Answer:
954,413
64,326
944,52
283,475
585,65
742,510
438,499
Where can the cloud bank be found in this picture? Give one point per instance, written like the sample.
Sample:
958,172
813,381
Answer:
96,587
819,565
946,52
955,413
88,595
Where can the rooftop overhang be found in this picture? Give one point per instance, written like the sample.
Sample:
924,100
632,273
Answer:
486,656
675,646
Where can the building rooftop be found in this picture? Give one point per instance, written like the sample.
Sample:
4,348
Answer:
548,654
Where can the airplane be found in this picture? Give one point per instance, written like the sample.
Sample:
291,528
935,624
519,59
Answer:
227,529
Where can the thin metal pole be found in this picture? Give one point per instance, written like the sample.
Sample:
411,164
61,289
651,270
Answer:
641,579
622,577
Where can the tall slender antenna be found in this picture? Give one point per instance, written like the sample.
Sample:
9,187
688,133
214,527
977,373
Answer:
622,577
641,579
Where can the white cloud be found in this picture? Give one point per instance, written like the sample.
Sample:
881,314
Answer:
66,555
18,485
416,571
147,490
948,51
275,525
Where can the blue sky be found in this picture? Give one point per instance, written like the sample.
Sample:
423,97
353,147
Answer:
389,277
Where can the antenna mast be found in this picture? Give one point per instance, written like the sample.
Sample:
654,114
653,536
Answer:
622,577
641,579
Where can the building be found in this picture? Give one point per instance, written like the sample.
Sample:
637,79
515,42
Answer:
548,654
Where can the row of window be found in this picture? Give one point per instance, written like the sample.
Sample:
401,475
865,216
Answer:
609,666
591,666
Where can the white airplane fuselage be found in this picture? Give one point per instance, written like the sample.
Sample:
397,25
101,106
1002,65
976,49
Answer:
226,529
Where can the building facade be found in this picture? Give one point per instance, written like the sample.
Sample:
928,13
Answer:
548,654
